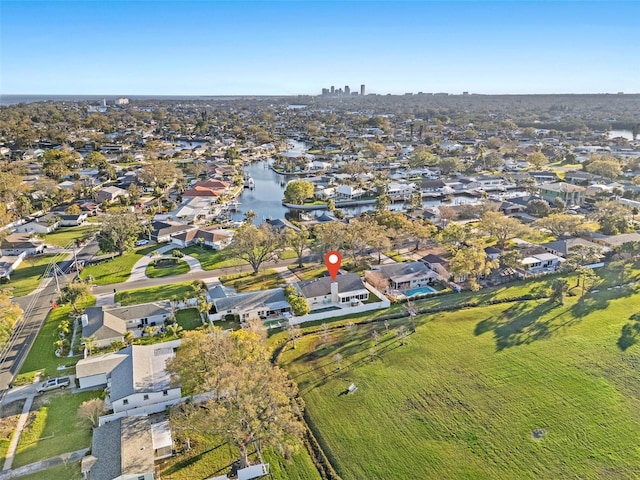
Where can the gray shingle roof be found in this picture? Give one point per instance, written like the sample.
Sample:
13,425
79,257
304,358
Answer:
134,312
102,325
322,286
404,272
122,447
250,300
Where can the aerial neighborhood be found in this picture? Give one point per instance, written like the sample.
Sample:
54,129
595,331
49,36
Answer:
167,257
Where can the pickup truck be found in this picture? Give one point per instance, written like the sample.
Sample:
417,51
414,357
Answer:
53,383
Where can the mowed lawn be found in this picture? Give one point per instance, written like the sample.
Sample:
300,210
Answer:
153,294
117,269
65,235
26,278
54,427
212,259
466,395
42,354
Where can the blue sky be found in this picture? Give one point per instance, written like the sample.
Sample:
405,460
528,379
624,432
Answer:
267,47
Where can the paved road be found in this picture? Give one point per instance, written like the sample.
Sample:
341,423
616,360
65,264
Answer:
36,307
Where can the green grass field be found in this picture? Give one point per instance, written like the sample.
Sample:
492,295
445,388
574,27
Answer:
308,271
65,235
117,269
54,427
167,268
245,282
212,259
153,294
42,354
466,395
26,278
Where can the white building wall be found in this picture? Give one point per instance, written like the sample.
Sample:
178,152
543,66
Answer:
93,380
137,400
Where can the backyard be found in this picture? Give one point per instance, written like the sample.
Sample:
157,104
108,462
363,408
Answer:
515,390
212,259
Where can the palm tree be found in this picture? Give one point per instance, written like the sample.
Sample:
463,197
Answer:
128,337
90,343
204,306
175,329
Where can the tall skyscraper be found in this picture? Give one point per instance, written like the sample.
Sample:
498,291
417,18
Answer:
347,90
333,89
362,89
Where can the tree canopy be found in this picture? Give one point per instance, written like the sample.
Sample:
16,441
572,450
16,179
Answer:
254,244
298,191
118,233
254,403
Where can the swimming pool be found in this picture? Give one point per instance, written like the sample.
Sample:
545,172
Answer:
420,291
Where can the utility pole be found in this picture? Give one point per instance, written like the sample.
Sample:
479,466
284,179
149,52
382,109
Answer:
55,274
75,261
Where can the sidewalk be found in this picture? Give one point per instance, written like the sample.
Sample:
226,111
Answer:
70,457
13,445
138,272
287,275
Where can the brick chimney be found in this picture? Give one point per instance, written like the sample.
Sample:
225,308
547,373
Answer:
334,292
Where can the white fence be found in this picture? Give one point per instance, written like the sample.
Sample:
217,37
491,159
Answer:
340,312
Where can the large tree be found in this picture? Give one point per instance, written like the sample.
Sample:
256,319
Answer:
253,403
56,163
502,227
472,263
255,245
73,293
298,241
613,217
560,224
298,191
158,173
118,233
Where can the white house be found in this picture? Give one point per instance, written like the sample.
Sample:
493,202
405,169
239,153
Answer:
215,238
141,379
9,264
348,192
323,292
18,243
264,304
541,263
46,224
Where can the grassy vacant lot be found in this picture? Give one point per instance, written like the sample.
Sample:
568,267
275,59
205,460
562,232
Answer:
245,282
472,389
26,278
189,318
53,427
65,235
210,457
42,354
212,259
166,267
153,294
117,269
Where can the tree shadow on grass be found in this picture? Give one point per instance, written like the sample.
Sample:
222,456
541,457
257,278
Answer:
629,333
600,300
191,459
520,324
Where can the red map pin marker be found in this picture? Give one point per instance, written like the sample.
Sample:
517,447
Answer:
333,260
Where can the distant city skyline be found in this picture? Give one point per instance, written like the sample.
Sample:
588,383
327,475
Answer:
299,48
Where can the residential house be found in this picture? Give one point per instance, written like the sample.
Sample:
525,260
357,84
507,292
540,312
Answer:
126,449
345,290
541,263
9,263
207,188
109,324
493,253
434,187
46,224
215,238
437,264
544,176
613,241
163,231
563,247
570,194
579,177
110,194
141,380
348,192
72,220
402,276
282,225
17,243
264,304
